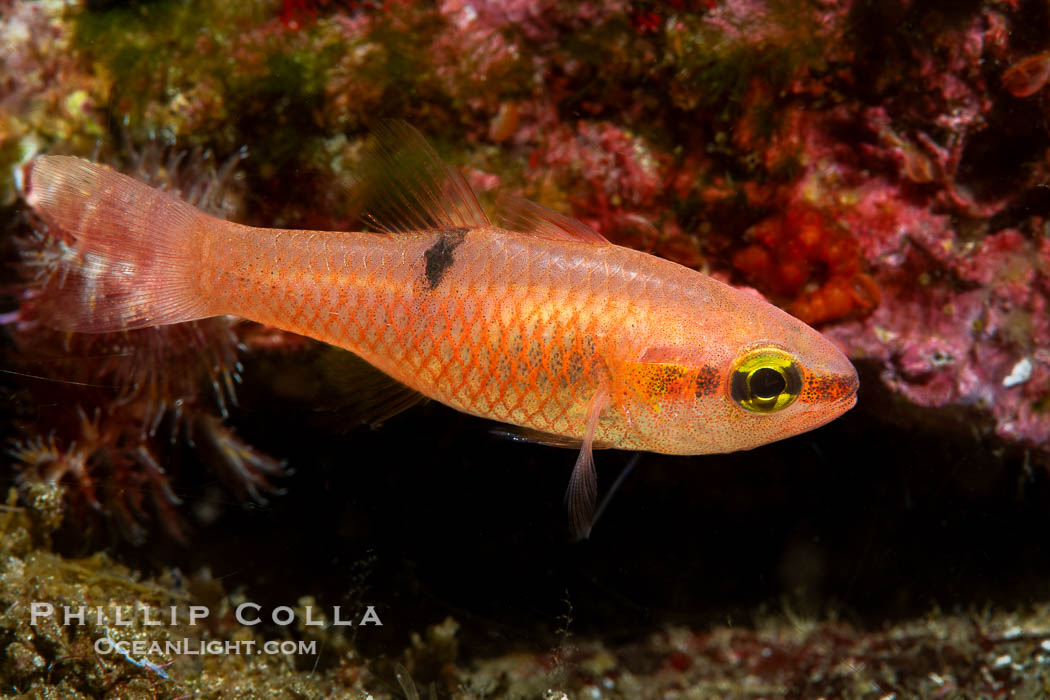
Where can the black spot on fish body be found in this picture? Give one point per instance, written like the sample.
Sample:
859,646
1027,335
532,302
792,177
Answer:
439,257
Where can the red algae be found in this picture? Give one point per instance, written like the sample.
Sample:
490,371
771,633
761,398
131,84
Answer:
799,256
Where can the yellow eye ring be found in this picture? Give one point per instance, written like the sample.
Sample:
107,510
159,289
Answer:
765,380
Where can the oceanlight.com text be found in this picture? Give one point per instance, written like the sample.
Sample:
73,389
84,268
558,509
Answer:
197,647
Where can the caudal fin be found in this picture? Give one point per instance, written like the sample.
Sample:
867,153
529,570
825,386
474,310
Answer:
129,252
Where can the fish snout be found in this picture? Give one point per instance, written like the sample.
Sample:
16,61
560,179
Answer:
843,384
852,382
835,388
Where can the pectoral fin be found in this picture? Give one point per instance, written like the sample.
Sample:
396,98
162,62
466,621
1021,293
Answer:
539,437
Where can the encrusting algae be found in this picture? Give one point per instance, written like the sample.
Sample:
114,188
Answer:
90,627
542,324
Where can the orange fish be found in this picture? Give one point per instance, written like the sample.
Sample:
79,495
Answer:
541,323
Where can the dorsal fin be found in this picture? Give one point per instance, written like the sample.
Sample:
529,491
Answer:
525,216
404,186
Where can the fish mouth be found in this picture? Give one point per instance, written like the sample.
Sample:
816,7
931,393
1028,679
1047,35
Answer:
850,399
836,409
854,385
843,394
835,389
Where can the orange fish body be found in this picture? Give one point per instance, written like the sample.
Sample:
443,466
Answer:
524,330
547,327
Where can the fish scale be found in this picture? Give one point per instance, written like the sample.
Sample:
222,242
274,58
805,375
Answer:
482,342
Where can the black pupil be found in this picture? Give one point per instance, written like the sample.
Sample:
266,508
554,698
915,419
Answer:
767,383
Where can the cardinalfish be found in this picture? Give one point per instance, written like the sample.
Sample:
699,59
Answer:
540,323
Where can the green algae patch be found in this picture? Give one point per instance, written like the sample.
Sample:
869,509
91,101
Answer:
213,74
716,66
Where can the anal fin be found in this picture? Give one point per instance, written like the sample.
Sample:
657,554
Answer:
357,393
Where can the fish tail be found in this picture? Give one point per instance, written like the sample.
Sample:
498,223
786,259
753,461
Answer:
129,254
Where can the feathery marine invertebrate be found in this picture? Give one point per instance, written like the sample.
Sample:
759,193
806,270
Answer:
123,399
542,324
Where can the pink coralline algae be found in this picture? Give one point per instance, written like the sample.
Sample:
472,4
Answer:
966,327
538,21
963,316
950,269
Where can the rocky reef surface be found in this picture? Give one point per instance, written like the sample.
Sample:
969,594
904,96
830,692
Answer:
878,169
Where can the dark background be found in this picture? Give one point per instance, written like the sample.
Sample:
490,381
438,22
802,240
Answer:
882,514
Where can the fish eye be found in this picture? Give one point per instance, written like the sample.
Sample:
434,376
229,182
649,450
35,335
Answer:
765,380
